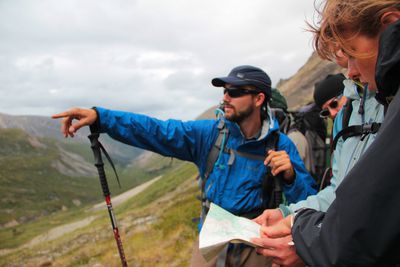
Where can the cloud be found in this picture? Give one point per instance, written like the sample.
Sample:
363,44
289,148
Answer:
148,56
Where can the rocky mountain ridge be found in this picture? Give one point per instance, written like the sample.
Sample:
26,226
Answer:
299,88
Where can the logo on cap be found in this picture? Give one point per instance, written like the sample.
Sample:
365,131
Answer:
240,75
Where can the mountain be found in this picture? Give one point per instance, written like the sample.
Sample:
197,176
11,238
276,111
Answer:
39,176
40,126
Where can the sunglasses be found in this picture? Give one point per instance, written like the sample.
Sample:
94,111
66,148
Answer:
332,105
235,92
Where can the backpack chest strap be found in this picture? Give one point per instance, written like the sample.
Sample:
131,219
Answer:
355,130
248,155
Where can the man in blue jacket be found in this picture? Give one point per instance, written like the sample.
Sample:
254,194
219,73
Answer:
236,180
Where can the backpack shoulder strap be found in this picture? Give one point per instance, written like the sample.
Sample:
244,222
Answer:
216,148
283,118
272,185
348,109
355,130
212,157
272,142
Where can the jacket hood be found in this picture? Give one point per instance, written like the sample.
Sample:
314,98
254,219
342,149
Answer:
388,63
351,91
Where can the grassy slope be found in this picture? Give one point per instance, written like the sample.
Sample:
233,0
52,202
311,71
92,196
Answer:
31,188
156,228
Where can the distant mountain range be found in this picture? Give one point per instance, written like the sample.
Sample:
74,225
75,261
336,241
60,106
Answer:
40,126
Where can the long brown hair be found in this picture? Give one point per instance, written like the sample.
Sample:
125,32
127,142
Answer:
341,20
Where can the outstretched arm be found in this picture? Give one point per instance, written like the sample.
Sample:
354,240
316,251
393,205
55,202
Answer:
173,138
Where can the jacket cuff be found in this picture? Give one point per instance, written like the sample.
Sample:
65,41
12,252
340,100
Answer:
95,127
284,210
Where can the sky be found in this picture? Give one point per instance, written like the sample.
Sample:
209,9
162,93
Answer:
147,56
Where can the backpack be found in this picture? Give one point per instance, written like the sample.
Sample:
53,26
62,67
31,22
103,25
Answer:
307,121
279,110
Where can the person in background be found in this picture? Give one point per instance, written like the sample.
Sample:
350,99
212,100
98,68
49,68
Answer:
235,181
361,226
328,95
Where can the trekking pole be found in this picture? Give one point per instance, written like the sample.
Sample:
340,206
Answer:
97,147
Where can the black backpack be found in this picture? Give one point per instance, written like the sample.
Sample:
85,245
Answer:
308,121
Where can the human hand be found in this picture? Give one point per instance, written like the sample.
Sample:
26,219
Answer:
84,117
276,242
281,250
279,161
280,229
269,217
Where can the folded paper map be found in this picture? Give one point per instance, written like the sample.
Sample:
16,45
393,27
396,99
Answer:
221,227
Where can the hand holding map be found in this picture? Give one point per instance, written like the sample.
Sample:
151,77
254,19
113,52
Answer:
221,227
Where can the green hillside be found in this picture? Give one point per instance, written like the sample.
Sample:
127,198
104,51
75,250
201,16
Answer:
29,185
45,182
39,176
157,229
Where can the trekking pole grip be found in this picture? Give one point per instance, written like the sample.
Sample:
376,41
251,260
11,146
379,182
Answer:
103,179
95,145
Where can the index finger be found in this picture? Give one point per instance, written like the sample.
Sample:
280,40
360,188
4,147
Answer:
61,115
258,219
271,154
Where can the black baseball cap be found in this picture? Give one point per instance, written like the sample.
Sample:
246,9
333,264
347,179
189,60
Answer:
246,75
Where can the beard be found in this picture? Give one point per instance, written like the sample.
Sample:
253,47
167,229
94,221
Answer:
239,116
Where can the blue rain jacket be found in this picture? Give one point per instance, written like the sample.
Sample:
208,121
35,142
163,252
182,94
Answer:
236,188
